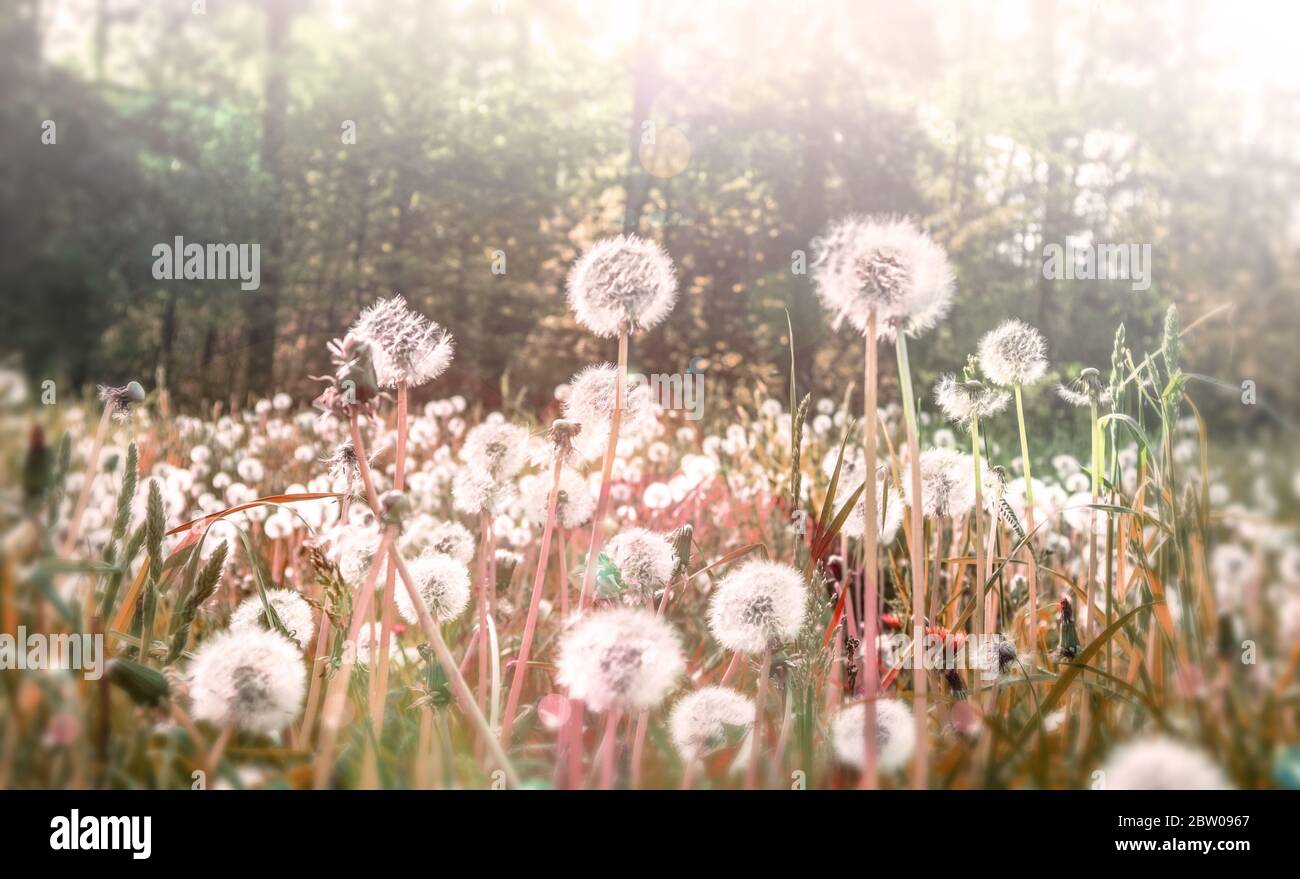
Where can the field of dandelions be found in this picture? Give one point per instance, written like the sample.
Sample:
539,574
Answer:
365,591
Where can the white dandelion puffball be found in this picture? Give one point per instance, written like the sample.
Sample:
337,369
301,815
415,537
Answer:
645,560
500,448
591,404
405,346
758,605
292,609
626,278
883,264
947,483
574,503
889,510
1014,353
474,491
895,734
962,401
453,539
709,719
443,584
369,642
1160,763
620,658
251,679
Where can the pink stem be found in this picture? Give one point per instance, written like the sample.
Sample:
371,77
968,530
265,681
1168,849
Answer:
530,624
602,501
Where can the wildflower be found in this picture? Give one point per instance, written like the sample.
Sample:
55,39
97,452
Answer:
1159,763
443,585
119,400
500,448
1013,353
886,265
895,734
962,401
405,345
757,605
620,282
591,404
947,483
645,561
621,658
573,503
250,679
293,611
709,719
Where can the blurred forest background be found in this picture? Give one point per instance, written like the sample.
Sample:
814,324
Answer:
518,127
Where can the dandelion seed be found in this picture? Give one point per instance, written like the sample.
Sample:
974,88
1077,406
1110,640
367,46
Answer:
294,612
405,345
709,719
249,678
895,734
1013,354
623,658
623,280
886,265
1159,763
758,605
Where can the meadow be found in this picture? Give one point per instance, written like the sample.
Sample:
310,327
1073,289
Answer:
392,585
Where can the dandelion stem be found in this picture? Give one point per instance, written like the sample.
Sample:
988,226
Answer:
1032,622
611,449
916,542
530,624
458,685
760,703
92,467
870,552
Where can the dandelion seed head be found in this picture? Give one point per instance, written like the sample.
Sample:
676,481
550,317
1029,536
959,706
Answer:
474,491
889,510
250,678
960,401
293,610
1013,353
895,734
120,400
883,264
757,606
626,279
709,719
405,345
500,448
574,503
591,404
443,585
947,483
645,560
1160,763
622,658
